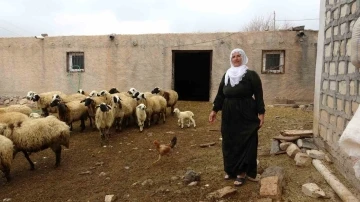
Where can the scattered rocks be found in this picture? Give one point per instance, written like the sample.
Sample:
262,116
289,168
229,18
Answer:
292,150
191,176
85,173
110,198
284,145
272,182
312,190
316,154
148,182
221,193
302,159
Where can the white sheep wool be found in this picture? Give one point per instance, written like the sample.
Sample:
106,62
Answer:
235,74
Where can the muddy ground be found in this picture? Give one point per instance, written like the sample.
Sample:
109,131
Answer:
88,171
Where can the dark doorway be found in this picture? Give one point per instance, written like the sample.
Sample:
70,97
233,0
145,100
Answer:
192,74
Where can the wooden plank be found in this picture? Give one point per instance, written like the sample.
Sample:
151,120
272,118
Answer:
288,139
301,133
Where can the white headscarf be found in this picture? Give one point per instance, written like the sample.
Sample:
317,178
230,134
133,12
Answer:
236,73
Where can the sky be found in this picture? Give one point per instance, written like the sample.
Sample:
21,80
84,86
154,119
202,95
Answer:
28,18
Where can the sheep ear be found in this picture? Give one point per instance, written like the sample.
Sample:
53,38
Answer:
82,101
108,106
97,106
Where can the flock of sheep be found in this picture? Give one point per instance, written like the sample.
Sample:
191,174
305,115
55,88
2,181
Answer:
27,132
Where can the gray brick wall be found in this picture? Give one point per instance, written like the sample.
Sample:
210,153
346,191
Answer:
339,94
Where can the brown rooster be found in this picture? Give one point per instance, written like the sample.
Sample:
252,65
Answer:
164,149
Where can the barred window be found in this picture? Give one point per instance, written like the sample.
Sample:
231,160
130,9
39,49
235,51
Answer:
75,61
273,62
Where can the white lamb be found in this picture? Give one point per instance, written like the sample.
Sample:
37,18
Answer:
141,115
155,105
104,118
34,135
6,156
183,116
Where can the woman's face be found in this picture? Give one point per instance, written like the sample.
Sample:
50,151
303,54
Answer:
236,59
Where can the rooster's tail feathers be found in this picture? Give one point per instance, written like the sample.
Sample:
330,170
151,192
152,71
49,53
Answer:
173,142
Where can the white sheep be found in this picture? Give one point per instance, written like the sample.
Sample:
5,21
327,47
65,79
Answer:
13,118
183,116
104,118
71,111
34,135
17,108
6,156
155,105
43,101
141,115
170,96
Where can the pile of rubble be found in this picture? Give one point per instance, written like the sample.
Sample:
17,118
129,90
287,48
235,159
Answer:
16,100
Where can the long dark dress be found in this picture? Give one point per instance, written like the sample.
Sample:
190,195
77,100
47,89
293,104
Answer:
240,107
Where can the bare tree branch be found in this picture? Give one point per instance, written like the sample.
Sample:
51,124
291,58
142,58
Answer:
265,23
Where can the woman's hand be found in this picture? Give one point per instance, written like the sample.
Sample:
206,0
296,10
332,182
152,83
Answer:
261,117
212,116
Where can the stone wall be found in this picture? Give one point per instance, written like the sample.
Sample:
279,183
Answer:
339,85
146,61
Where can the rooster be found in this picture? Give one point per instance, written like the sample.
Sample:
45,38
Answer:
164,149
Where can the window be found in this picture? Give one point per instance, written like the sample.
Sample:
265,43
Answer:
273,62
75,61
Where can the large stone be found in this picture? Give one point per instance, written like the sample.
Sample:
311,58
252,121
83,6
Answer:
273,185
274,147
110,198
285,145
270,187
302,159
307,143
316,154
221,193
292,150
312,190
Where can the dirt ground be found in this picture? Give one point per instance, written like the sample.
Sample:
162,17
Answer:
88,171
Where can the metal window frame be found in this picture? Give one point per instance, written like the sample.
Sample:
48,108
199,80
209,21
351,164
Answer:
281,69
70,65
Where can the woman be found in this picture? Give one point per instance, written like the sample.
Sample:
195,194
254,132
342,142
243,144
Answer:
240,97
